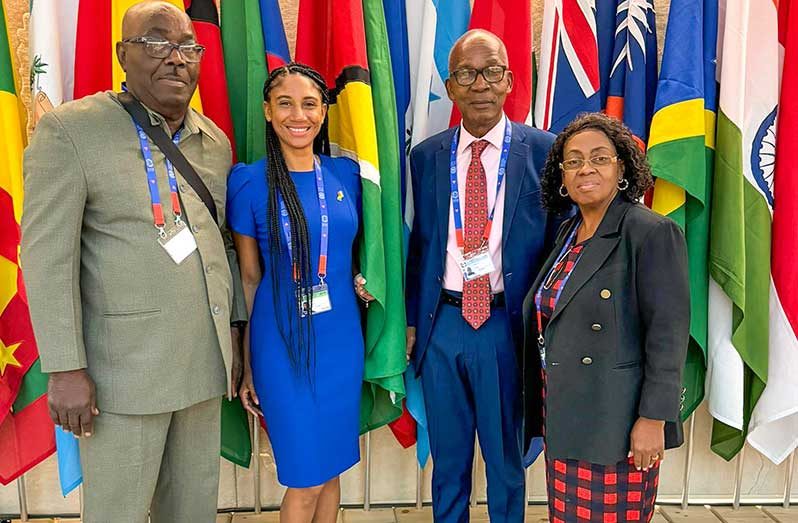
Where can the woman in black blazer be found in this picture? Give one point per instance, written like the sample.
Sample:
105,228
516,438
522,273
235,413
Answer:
606,326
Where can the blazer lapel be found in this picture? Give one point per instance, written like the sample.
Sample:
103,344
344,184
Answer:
443,192
598,250
555,252
513,179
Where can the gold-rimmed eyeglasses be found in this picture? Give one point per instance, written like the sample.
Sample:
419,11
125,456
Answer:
160,48
574,164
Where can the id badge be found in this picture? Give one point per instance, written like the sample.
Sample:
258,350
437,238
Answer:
542,350
476,263
178,242
321,300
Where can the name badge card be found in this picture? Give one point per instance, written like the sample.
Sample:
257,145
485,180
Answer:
178,242
321,300
476,263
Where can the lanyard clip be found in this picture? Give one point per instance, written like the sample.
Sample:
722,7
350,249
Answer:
178,220
161,231
541,340
321,279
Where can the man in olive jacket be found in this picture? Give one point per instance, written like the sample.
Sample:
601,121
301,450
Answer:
137,341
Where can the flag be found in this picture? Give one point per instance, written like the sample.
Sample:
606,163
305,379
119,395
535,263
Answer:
774,422
740,222
53,26
274,40
212,88
331,38
681,152
26,431
510,20
432,30
632,81
99,27
245,65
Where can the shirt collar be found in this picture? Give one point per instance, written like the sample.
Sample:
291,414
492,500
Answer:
495,136
192,123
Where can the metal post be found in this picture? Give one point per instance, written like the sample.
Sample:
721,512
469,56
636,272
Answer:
738,478
527,491
256,463
367,486
23,499
235,486
80,499
419,485
688,464
788,482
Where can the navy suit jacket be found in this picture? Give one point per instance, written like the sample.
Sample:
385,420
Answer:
527,234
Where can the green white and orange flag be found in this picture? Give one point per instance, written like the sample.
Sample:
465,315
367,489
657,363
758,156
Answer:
26,432
740,230
681,152
331,38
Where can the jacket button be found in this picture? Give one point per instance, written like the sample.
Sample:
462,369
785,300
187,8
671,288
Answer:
440,279
605,294
216,309
430,315
183,187
195,228
596,327
587,360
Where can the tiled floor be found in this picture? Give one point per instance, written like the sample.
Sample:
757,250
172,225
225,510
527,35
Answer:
535,514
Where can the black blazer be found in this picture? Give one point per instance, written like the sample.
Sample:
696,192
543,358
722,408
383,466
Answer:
617,340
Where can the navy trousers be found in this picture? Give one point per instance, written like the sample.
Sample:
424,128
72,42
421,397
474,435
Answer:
471,382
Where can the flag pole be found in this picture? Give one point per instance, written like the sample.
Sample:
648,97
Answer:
235,486
788,481
80,499
419,481
256,464
23,498
527,490
738,478
367,486
688,463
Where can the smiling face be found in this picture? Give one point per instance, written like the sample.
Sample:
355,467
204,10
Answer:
480,103
296,111
590,185
163,84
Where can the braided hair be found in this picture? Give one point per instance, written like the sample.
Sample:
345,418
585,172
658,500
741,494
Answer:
295,327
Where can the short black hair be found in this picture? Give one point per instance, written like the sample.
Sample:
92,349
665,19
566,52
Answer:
637,171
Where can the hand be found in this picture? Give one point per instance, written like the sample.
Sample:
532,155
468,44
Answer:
237,366
410,338
648,442
72,401
360,289
249,398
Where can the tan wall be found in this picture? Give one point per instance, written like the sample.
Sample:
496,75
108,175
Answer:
393,469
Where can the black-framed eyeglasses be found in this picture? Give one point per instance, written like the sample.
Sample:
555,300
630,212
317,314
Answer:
160,48
467,76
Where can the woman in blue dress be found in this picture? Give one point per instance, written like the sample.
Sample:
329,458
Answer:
295,219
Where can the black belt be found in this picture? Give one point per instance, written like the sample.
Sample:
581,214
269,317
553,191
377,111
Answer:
456,300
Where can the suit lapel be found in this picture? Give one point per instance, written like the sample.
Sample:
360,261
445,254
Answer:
554,254
513,179
596,252
443,191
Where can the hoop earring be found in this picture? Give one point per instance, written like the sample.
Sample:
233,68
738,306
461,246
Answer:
623,184
563,191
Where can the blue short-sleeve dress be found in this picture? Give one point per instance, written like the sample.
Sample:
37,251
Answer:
313,423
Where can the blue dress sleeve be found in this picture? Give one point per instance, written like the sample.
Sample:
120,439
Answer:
240,216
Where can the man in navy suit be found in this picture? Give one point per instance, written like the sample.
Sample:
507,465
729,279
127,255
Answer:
479,237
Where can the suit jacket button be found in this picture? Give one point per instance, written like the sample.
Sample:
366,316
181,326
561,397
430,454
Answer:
195,228
216,309
587,360
430,315
605,294
596,327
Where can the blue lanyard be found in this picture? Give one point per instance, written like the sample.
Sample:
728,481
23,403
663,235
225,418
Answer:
325,222
566,249
458,219
152,181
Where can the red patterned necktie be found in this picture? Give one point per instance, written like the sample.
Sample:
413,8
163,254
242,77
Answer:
476,293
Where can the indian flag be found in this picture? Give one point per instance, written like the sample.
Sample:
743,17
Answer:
774,423
681,150
740,232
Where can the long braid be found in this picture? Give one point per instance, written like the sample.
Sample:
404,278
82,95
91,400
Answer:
295,328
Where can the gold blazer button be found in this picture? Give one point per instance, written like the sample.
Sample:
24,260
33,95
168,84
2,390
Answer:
596,327
587,360
605,294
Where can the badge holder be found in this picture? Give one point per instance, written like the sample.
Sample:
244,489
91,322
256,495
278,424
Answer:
477,263
178,242
320,301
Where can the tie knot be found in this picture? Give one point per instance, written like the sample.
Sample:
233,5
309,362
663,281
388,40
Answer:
477,148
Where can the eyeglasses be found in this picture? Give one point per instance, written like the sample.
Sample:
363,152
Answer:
574,164
160,48
492,74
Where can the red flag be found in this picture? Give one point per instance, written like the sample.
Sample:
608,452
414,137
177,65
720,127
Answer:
93,58
404,428
510,20
213,80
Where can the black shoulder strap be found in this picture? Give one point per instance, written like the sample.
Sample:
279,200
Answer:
169,149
